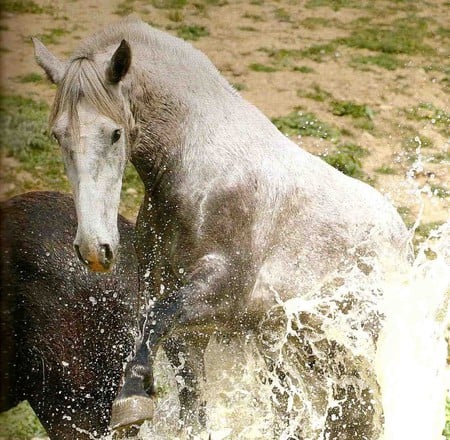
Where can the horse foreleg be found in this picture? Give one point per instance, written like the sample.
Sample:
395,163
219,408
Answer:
186,305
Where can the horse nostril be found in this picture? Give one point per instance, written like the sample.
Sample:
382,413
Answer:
77,251
107,252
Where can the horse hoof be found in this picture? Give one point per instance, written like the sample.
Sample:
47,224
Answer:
132,410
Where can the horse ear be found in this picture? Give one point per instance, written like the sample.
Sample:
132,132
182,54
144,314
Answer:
53,67
119,64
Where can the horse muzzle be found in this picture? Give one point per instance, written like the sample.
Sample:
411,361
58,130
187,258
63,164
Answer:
100,259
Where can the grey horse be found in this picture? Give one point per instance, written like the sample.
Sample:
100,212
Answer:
236,217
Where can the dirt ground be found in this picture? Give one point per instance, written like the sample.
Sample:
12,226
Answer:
290,55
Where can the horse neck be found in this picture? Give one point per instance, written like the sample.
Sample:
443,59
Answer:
171,124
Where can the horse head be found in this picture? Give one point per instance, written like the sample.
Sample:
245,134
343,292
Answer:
92,123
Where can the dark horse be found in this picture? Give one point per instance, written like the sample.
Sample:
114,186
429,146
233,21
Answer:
236,220
65,331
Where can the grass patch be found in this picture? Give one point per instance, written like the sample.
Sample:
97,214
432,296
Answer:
383,60
298,123
125,7
338,4
405,36
362,113
424,229
22,7
439,191
192,32
442,157
239,86
258,67
303,69
254,17
282,15
21,422
446,432
349,108
406,215
176,16
411,143
428,112
282,56
53,35
385,169
318,52
347,159
248,29
169,4
318,94
30,78
313,23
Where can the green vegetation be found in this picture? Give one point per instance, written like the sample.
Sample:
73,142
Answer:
424,229
22,7
383,60
440,157
281,57
317,52
305,124
428,112
406,215
303,69
338,4
318,94
239,86
439,191
20,423
405,35
248,28
30,78
192,32
125,7
348,108
257,67
316,22
282,15
385,169
361,112
412,142
347,159
446,432
53,35
176,16
253,17
169,4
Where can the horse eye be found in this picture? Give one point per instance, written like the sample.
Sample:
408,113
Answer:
116,136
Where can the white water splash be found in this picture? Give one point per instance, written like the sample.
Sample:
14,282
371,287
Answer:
398,379
412,349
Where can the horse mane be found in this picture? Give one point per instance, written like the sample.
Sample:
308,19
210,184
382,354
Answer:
83,78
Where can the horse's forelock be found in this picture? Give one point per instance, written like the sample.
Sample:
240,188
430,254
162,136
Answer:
83,79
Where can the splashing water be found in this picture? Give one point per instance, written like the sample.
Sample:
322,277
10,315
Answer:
411,352
377,360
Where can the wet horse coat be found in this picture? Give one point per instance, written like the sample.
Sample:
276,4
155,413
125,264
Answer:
65,332
236,217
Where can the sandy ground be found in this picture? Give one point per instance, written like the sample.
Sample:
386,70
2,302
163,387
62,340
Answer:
241,32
